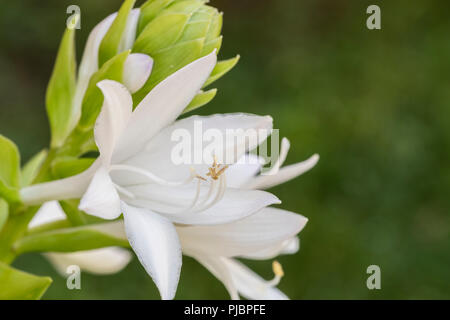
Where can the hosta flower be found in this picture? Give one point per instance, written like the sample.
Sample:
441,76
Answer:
134,173
264,235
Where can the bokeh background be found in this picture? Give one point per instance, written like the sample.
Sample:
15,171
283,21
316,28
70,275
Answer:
374,104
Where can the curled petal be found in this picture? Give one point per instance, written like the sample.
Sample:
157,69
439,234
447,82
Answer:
283,175
101,198
155,242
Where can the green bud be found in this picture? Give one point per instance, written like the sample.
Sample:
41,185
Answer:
175,33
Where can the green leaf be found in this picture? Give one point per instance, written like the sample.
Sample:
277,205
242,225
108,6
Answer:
70,166
200,100
19,285
9,170
109,46
149,10
161,33
168,61
221,68
93,99
74,239
31,168
61,89
4,213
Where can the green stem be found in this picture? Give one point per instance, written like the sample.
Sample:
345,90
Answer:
14,229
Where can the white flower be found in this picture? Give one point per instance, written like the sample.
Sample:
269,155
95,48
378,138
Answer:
134,174
263,235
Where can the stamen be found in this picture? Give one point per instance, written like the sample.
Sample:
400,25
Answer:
197,194
218,181
279,273
277,269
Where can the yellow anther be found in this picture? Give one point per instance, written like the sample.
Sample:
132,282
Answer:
216,170
277,269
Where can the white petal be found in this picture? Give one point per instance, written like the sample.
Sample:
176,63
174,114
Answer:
289,246
218,268
236,204
243,171
136,71
262,230
129,35
158,154
101,198
155,242
102,261
250,285
284,174
164,104
68,188
89,61
113,118
49,212
285,146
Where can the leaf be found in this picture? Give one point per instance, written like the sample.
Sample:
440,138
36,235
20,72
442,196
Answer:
109,46
61,89
93,99
4,213
221,68
161,33
9,170
200,100
168,61
74,239
31,168
19,285
70,166
149,10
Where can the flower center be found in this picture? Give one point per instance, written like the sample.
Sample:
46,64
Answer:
217,185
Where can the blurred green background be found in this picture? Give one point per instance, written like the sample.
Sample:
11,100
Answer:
374,104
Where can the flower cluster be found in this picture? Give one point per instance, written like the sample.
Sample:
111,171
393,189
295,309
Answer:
141,70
